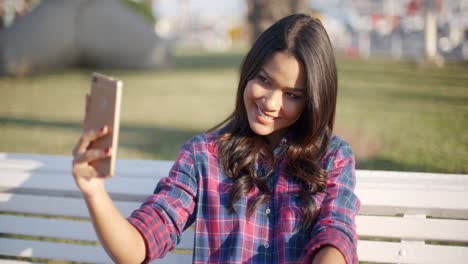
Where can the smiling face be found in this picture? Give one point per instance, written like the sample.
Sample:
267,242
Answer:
275,98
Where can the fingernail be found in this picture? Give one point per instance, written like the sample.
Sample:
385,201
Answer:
102,129
108,151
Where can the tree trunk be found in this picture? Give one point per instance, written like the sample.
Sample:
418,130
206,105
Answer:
263,13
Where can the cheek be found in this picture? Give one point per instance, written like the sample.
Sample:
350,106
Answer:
249,92
294,110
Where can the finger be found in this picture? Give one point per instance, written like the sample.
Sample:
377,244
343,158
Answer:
89,136
92,155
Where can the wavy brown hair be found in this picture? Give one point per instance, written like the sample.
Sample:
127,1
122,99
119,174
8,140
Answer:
240,148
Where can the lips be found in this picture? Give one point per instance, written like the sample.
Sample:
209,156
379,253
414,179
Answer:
263,118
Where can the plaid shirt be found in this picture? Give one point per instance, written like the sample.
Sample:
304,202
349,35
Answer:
196,190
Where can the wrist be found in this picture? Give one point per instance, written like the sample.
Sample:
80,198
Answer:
97,194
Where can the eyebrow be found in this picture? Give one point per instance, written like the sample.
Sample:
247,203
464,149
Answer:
298,89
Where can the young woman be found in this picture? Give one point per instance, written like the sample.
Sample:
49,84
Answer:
271,184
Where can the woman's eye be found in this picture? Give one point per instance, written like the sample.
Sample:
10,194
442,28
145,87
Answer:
263,80
294,96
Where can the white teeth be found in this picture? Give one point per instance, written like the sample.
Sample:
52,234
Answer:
263,115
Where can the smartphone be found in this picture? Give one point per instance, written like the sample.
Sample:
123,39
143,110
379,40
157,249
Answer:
104,110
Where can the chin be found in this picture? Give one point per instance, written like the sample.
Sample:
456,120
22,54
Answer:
260,132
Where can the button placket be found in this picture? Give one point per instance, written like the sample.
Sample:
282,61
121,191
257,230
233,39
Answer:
268,213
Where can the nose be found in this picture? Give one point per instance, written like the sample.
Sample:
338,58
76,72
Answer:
272,101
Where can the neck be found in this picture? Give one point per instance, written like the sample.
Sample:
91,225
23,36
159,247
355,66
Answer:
275,138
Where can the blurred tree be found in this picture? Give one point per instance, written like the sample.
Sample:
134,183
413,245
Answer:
143,8
263,13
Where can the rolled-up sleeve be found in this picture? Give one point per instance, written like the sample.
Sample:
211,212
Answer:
336,221
164,215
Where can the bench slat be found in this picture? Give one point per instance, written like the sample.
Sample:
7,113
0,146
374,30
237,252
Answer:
64,229
58,206
412,228
62,184
47,227
51,250
57,163
376,200
62,251
412,180
443,204
393,252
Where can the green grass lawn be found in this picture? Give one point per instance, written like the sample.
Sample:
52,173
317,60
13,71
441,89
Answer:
396,115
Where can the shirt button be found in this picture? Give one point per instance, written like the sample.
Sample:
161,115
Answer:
266,245
268,211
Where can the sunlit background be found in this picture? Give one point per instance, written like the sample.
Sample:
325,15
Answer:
403,73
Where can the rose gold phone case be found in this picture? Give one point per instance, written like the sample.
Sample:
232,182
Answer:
104,109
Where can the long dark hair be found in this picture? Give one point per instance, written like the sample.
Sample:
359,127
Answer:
240,148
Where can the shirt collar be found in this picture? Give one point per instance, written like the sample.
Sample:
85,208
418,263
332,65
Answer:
281,147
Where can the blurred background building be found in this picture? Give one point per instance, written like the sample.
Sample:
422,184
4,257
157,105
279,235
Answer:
435,30
411,29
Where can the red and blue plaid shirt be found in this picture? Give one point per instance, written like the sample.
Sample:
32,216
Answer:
197,191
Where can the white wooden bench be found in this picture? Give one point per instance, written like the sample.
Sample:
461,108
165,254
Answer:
405,217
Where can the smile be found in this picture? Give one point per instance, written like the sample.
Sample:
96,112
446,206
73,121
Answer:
264,116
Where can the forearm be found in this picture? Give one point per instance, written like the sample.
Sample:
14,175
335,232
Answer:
328,255
121,240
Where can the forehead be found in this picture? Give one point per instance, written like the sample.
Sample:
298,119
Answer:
285,69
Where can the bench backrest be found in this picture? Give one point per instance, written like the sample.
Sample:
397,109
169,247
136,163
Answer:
405,217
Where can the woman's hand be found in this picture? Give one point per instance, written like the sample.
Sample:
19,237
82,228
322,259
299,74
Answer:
86,176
